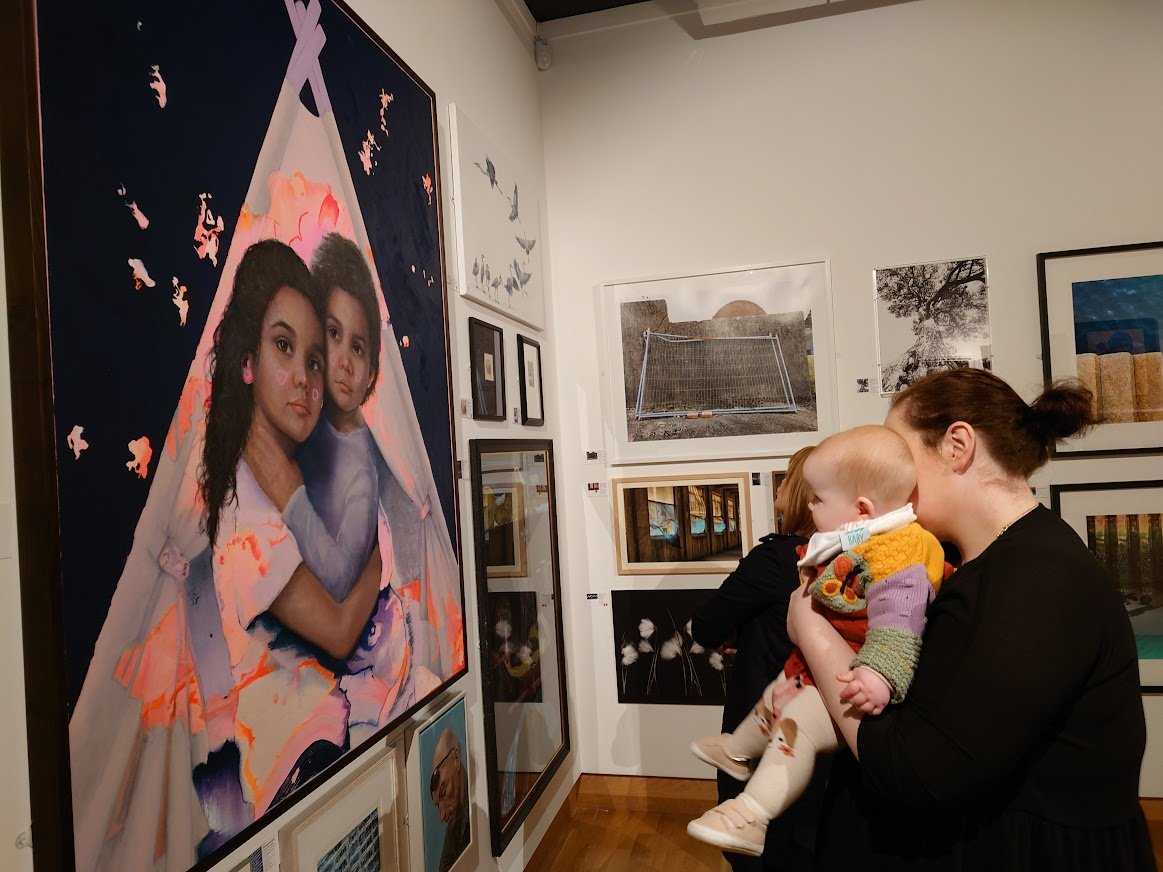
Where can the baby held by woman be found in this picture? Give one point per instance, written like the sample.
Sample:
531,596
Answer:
873,571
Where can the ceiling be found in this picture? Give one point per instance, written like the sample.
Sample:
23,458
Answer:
550,10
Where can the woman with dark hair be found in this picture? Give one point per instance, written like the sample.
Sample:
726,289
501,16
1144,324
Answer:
285,711
751,608
1020,743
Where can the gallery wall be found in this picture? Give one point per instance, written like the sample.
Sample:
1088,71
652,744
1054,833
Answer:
470,53
933,130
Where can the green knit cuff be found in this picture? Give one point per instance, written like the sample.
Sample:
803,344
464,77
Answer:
893,653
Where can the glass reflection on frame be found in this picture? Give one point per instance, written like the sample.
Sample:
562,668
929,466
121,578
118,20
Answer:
522,653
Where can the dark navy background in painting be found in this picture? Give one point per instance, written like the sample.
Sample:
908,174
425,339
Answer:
120,356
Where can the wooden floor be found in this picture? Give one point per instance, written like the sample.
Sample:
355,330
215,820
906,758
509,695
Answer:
620,824
623,824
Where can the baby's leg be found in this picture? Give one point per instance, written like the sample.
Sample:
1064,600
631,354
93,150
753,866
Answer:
804,730
753,735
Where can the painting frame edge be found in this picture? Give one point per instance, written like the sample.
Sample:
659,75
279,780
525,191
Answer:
1056,453
502,833
1056,491
36,488
621,452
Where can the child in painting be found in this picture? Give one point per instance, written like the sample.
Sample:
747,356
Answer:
874,572
331,500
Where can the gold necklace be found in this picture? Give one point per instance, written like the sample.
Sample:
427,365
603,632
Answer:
1015,520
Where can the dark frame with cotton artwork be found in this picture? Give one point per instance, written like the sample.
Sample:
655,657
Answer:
129,56
486,352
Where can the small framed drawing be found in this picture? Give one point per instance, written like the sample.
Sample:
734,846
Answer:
486,349
697,524
532,394
1122,523
1101,311
441,784
738,363
353,829
506,553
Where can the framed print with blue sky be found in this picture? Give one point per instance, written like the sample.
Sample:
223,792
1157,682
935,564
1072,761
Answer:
1102,318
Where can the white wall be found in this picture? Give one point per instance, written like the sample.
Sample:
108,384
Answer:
924,131
469,54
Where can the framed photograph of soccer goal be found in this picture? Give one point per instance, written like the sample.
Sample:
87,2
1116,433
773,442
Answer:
1122,523
739,363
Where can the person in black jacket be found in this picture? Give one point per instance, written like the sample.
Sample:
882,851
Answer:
750,608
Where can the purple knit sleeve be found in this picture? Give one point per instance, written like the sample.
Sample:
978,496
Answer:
899,600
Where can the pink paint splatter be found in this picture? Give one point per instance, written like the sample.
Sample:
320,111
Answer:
158,85
314,395
180,300
365,153
75,442
281,376
426,180
405,342
207,230
142,455
138,216
140,274
385,99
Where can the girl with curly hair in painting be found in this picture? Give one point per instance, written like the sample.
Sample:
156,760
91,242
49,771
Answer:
330,498
287,713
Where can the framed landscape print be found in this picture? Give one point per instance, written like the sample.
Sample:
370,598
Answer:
1102,315
659,662
486,348
441,769
931,317
178,708
694,524
739,363
353,829
1122,523
498,226
523,683
532,394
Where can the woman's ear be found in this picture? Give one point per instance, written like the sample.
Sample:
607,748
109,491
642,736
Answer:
248,369
959,445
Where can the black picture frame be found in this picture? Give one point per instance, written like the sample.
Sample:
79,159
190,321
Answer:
1150,670
36,441
503,828
486,350
1053,330
529,354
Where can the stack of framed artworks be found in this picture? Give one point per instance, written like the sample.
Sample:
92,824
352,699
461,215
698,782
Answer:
519,601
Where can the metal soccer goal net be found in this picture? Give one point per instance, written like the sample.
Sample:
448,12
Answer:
685,376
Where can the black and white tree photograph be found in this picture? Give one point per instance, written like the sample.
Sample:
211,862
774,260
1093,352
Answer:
931,316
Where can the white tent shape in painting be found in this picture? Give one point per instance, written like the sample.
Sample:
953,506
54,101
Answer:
138,729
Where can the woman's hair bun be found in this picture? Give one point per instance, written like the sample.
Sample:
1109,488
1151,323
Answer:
1064,409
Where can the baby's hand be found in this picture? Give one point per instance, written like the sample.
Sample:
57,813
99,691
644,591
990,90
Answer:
866,689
